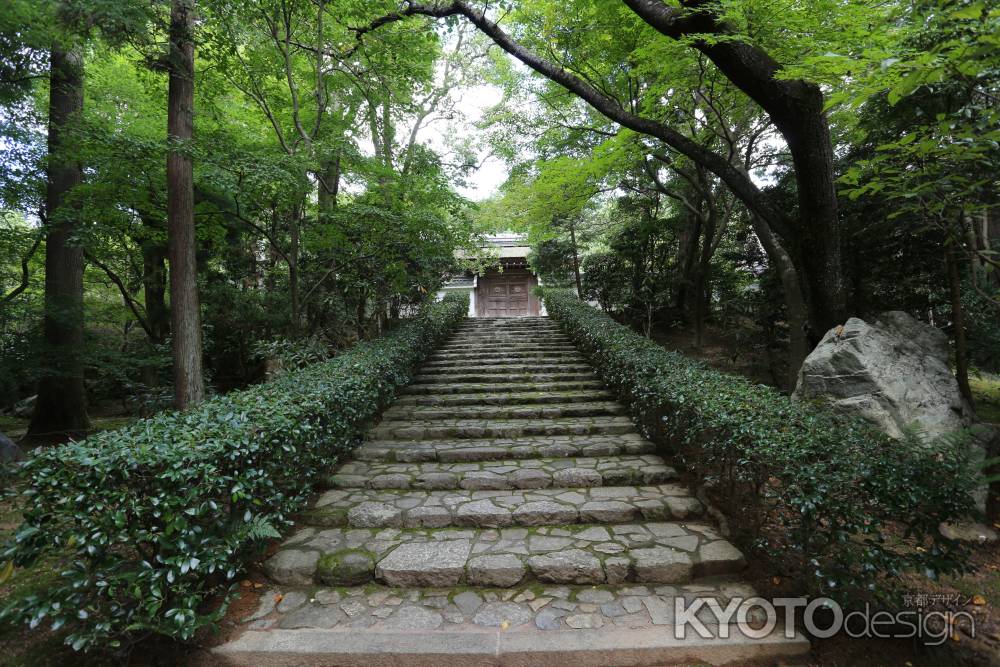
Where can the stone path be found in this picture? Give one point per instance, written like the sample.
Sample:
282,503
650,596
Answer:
504,495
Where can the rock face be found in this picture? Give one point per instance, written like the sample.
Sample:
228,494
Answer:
892,372
8,450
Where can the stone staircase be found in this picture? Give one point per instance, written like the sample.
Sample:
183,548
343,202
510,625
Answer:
504,511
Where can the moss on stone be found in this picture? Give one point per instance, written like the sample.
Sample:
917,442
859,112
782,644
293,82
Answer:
346,567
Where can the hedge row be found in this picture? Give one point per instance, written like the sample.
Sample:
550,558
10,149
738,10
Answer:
157,517
828,496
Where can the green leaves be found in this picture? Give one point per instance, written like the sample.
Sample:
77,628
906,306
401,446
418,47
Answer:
799,483
158,517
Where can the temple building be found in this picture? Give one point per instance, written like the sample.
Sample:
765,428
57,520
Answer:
504,289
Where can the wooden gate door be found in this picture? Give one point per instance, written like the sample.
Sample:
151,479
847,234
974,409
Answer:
506,296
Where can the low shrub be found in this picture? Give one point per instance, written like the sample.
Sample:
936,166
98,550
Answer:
154,519
828,496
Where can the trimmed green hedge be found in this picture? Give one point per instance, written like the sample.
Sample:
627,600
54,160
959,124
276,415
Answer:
159,516
829,497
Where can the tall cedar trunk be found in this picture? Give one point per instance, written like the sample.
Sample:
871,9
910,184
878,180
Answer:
958,324
798,313
576,260
61,407
185,316
293,267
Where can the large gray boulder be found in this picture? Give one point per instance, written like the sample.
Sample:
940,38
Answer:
8,450
894,372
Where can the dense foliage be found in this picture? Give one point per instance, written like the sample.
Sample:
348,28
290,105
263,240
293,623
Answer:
155,518
815,490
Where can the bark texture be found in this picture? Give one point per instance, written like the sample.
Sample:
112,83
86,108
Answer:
185,315
61,408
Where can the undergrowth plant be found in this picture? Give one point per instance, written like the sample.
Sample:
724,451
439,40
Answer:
842,503
153,520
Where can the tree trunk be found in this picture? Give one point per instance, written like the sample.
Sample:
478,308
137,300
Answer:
61,407
329,187
798,313
185,315
576,260
293,267
154,286
958,324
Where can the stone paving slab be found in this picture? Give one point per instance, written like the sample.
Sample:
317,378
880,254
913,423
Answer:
516,411
543,607
652,552
505,360
519,519
543,353
500,428
507,340
509,398
507,474
384,508
444,387
503,366
468,450
507,346
520,379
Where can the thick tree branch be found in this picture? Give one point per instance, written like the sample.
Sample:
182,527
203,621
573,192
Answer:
25,273
738,181
133,305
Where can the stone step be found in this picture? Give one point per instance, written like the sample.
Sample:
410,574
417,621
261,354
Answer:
528,625
505,366
500,428
493,388
644,553
390,508
453,451
520,379
509,398
498,357
554,411
503,350
507,347
506,354
514,329
476,323
497,339
505,474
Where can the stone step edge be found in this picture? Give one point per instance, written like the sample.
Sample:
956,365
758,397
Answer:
573,359
475,411
500,378
495,648
473,480
679,554
505,369
437,388
477,509
505,398
458,429
474,451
